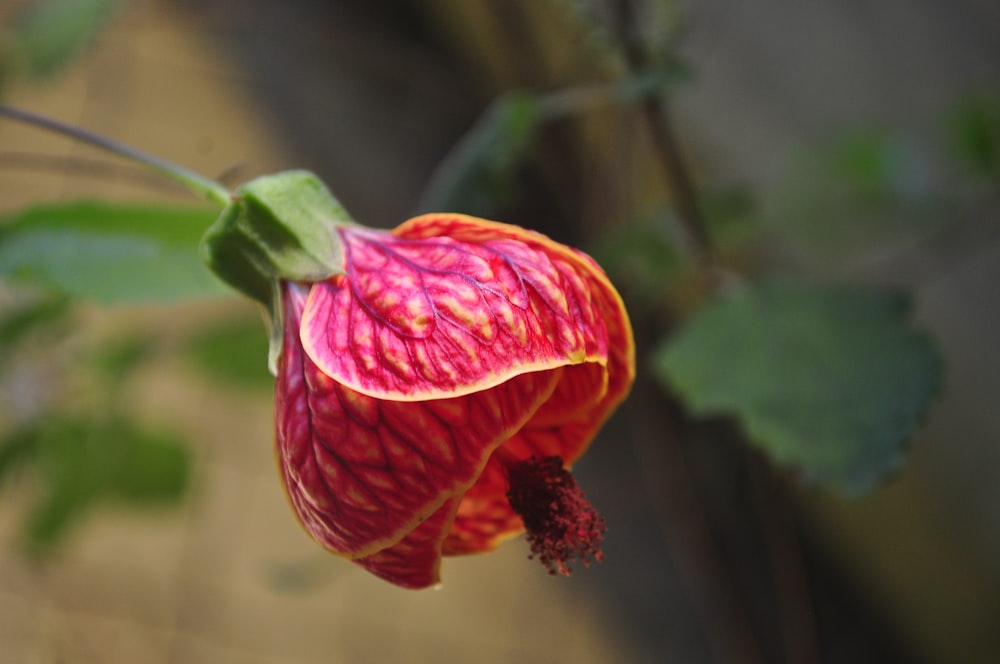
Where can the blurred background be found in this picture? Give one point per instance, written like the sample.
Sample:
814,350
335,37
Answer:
824,140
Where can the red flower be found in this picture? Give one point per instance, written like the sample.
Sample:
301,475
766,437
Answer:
431,397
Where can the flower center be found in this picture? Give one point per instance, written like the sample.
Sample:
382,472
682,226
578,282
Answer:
561,523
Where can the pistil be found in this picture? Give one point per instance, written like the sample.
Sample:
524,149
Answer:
561,524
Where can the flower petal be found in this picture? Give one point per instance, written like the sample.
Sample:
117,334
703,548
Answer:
362,473
484,518
619,345
565,425
423,316
415,561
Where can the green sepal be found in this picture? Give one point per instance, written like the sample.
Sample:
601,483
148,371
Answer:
276,227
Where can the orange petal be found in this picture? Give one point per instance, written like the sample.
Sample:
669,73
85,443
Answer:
418,318
362,473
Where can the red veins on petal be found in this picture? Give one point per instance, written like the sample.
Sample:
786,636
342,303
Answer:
442,341
361,472
605,320
414,561
484,517
567,422
417,318
607,304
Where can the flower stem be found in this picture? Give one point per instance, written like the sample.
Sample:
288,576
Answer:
195,182
664,142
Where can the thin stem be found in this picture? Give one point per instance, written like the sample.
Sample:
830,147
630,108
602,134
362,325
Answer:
195,182
85,167
664,140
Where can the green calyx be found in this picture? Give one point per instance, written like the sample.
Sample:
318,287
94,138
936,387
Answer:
275,228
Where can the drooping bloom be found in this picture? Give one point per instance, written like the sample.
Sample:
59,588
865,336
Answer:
431,398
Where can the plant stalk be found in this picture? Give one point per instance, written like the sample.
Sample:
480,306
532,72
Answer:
664,141
199,184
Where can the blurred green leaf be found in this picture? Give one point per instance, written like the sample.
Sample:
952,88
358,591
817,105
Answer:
865,191
726,206
864,162
80,464
16,449
23,318
109,253
975,131
148,469
119,358
732,216
830,379
169,226
48,34
640,257
234,353
478,174
68,483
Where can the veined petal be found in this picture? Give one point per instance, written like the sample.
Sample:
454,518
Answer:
420,316
563,426
620,344
361,472
484,518
415,561
566,424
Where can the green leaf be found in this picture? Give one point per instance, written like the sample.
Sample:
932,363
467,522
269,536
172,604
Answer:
830,379
867,164
641,258
16,450
50,33
478,174
116,360
23,318
858,196
234,353
975,134
81,464
149,468
109,253
68,480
